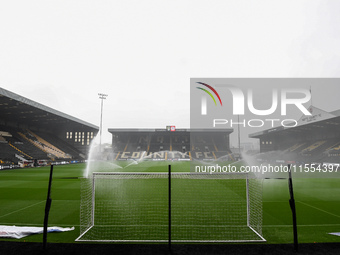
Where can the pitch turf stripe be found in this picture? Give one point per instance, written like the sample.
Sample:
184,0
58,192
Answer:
218,226
22,209
289,226
173,225
264,226
335,215
275,202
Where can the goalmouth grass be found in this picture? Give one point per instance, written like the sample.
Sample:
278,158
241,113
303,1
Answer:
139,207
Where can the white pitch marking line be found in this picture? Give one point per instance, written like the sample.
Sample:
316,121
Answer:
319,209
22,209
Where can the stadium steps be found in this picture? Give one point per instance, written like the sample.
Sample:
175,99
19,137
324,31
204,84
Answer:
59,143
335,146
7,153
35,143
50,148
44,146
127,144
314,146
14,147
318,150
214,144
295,147
25,146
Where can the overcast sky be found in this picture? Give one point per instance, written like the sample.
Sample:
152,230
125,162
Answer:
143,53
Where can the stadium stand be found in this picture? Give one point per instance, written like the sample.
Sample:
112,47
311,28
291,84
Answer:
332,153
51,150
312,147
59,143
295,147
24,145
33,133
314,141
160,144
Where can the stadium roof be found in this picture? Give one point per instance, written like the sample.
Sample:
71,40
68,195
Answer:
319,122
18,109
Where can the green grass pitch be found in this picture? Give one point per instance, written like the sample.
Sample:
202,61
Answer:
23,195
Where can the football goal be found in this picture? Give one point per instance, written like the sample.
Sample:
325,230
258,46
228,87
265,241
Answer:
199,207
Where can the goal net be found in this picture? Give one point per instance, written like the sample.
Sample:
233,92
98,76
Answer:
134,207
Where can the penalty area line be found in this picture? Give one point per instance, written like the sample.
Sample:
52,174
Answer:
7,214
314,207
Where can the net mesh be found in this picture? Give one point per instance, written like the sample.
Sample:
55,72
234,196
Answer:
204,207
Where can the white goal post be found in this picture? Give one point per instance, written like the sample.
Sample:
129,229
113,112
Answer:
134,207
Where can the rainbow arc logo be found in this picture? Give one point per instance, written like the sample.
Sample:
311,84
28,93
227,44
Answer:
209,93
